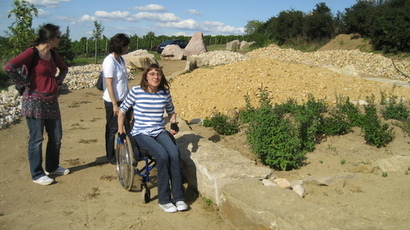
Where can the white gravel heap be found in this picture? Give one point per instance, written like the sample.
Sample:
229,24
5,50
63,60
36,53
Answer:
364,63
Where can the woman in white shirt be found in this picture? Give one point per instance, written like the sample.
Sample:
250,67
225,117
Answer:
115,90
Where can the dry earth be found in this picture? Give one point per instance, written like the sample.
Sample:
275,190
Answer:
91,197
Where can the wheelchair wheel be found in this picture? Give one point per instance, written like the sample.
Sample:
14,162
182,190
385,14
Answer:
145,194
125,170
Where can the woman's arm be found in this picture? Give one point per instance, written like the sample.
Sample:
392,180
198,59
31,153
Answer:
14,65
61,65
110,88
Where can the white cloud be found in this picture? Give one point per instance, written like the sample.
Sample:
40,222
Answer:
112,15
151,7
214,27
195,12
87,18
42,13
166,17
47,3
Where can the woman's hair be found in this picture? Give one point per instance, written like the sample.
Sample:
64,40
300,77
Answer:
117,43
163,85
46,33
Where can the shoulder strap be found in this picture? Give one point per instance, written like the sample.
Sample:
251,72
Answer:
53,53
35,58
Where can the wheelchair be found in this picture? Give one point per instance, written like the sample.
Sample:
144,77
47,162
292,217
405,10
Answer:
133,160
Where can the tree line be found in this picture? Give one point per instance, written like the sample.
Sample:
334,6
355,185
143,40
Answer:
385,22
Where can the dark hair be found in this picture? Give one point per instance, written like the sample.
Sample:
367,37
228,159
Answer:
163,85
46,33
117,43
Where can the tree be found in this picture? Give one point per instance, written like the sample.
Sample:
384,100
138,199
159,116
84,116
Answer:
288,25
390,31
359,17
20,31
64,49
97,32
319,24
252,26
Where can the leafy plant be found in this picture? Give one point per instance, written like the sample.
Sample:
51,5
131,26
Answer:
222,124
376,133
274,139
394,110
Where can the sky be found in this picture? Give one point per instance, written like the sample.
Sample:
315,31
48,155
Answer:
163,17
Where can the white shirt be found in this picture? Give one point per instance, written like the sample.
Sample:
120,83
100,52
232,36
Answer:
117,71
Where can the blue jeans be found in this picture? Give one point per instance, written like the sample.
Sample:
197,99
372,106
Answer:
55,133
166,153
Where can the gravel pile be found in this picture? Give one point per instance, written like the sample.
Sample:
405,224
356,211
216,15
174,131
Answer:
354,62
285,74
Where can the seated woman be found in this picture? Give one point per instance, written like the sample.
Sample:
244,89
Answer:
149,100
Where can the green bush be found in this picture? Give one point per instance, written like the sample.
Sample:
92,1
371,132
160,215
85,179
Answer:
282,134
336,124
375,133
222,124
275,140
395,111
352,112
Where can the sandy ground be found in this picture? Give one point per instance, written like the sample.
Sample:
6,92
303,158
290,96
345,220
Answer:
90,197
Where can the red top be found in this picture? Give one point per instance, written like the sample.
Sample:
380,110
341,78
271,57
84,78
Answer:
43,77
41,100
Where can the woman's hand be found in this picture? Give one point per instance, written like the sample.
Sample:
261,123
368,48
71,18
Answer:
174,128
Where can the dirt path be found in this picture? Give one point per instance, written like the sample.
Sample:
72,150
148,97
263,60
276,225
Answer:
91,196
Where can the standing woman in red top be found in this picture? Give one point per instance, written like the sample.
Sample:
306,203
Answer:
40,101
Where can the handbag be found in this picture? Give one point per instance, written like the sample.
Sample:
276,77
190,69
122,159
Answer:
100,80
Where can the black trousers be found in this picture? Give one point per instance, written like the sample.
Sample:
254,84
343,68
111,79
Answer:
111,128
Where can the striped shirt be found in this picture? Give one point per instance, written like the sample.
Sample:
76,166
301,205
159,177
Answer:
148,110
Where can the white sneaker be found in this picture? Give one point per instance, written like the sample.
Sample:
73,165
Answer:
170,207
44,180
60,171
181,206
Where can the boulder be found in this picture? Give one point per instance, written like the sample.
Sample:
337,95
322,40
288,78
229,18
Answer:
244,45
172,52
139,59
233,45
196,45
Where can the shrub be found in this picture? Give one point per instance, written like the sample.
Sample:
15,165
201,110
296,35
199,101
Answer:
395,111
336,124
271,137
222,124
375,133
309,118
352,111
275,140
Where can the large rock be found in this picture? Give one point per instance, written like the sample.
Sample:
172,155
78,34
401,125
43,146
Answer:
196,45
277,208
172,52
208,167
139,59
245,45
233,45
